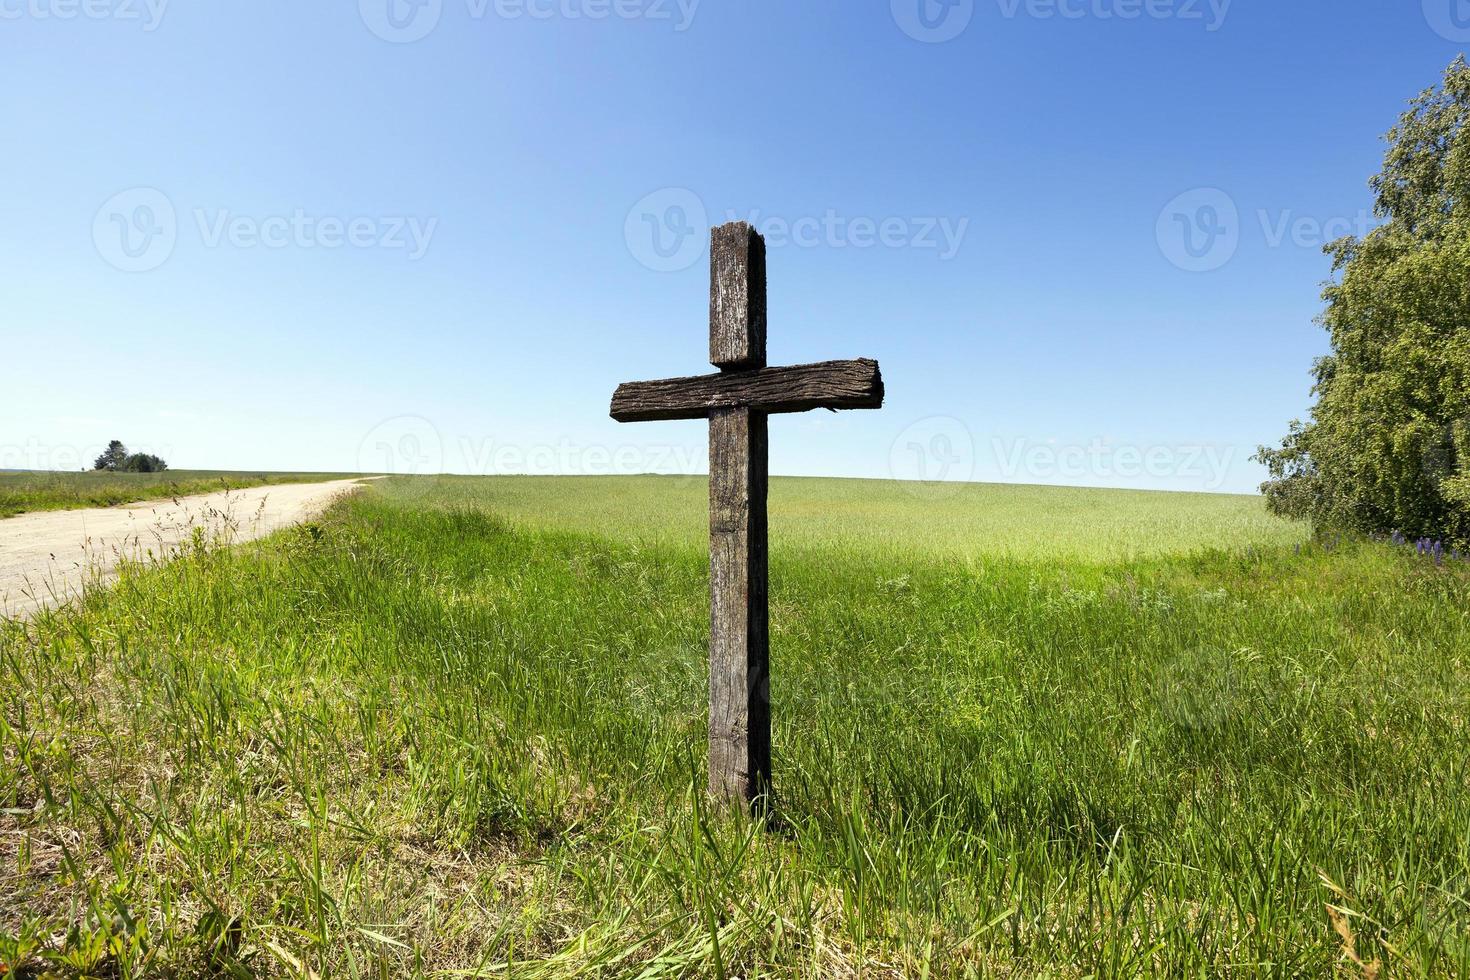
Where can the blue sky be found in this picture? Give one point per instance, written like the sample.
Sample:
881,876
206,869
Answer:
1082,236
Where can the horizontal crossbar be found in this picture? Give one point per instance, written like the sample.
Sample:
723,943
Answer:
776,390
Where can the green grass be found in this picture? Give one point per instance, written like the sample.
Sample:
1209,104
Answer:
457,728
34,490
879,517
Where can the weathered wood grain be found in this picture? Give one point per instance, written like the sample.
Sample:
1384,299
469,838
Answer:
737,297
737,402
773,390
739,645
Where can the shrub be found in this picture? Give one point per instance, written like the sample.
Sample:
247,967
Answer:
1388,445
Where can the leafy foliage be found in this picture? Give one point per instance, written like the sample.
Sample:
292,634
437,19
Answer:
143,463
1388,446
112,458
116,459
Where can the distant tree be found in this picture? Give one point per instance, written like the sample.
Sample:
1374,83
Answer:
143,463
1388,444
113,457
116,459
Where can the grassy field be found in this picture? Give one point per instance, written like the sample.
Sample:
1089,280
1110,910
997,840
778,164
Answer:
879,517
30,490
456,728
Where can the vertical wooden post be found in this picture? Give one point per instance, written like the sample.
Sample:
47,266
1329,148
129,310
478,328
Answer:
737,298
739,652
737,402
739,645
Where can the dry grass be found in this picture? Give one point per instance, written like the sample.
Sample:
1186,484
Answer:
26,491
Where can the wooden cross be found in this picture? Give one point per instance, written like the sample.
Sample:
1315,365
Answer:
736,401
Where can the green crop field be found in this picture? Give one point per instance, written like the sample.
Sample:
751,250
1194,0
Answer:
30,490
457,728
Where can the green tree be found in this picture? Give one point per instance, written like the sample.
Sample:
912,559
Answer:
1388,444
143,463
113,457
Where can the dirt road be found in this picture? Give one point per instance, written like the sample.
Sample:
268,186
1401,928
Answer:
47,557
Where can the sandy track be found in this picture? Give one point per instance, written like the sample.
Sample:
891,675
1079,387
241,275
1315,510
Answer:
47,557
